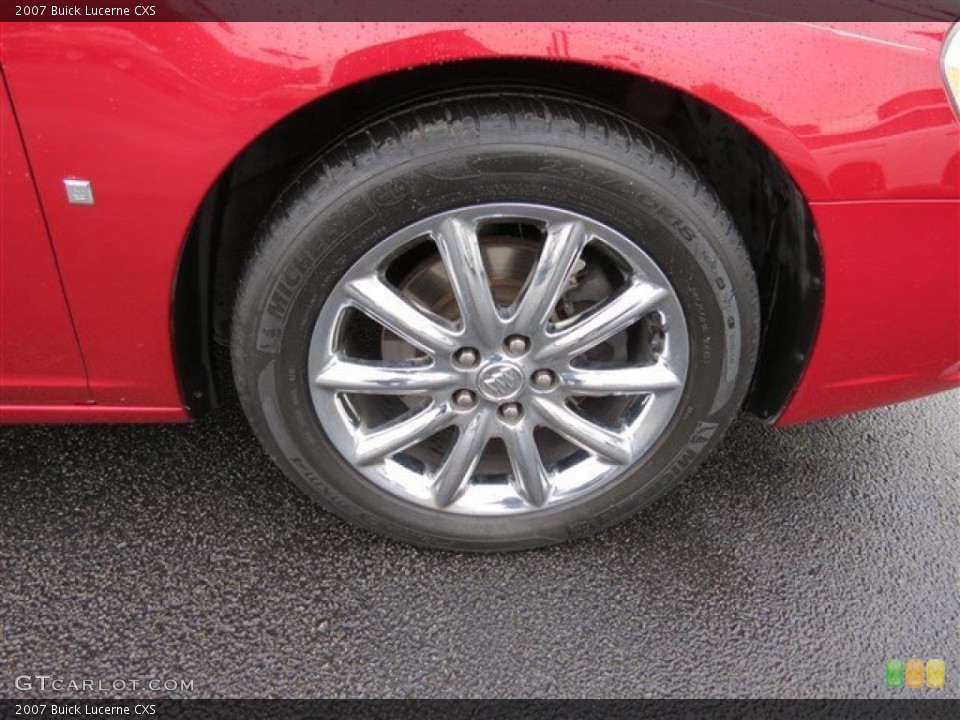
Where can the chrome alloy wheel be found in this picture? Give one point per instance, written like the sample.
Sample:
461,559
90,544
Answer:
498,359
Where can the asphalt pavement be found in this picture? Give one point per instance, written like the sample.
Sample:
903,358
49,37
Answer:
793,564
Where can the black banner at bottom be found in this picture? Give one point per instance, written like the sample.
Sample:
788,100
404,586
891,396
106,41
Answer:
894,709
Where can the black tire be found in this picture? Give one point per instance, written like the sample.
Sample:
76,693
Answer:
468,150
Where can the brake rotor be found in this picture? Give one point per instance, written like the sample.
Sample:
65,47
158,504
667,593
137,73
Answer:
508,261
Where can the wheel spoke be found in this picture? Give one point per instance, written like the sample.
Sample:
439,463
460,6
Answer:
376,445
548,280
530,478
647,379
608,445
460,250
595,326
378,378
454,474
387,306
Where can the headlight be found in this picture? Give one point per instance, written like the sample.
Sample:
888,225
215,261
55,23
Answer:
951,66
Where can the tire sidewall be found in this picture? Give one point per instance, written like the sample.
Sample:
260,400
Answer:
311,248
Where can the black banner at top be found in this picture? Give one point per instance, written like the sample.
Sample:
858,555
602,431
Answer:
478,10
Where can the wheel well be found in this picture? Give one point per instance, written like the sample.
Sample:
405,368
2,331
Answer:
763,199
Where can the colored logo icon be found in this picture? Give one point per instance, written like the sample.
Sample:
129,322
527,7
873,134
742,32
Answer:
936,673
894,673
914,673
897,673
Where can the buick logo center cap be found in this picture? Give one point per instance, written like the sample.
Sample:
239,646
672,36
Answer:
501,381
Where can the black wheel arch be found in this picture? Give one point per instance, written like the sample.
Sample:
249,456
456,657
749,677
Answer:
760,194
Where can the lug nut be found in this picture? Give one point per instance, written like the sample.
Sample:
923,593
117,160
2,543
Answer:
516,344
510,412
466,357
544,379
464,399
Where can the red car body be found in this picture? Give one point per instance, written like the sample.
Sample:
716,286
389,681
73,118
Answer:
152,114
